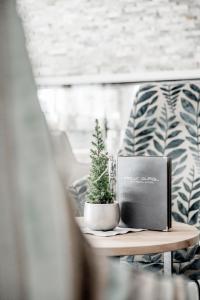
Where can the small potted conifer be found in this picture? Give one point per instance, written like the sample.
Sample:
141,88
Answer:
101,212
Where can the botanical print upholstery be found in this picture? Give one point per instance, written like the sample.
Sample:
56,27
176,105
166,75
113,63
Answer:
165,120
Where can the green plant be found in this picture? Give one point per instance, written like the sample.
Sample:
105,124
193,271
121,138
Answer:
99,191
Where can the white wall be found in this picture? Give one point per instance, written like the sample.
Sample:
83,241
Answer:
75,37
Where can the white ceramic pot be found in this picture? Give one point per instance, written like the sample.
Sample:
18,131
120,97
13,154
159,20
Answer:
101,216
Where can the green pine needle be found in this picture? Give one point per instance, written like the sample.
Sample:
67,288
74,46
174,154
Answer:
98,185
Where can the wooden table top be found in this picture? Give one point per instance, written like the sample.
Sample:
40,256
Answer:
180,236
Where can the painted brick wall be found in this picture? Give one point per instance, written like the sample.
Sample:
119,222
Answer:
75,37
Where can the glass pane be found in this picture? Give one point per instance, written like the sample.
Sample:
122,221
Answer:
74,110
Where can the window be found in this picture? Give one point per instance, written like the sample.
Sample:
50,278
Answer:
74,109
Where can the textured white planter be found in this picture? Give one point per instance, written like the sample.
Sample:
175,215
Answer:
101,216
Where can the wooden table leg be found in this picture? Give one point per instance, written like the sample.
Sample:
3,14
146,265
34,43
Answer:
168,263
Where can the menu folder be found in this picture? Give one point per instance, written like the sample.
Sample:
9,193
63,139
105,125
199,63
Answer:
144,191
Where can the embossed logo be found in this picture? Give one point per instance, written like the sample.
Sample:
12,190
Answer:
143,179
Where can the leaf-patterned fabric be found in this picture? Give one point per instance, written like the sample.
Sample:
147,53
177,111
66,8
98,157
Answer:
165,120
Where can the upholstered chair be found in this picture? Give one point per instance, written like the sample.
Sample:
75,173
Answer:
165,120
74,173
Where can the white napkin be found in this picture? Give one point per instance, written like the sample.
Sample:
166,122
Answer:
116,231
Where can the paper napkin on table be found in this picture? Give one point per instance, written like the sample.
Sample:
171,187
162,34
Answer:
116,231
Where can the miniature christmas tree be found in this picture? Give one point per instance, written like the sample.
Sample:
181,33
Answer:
98,182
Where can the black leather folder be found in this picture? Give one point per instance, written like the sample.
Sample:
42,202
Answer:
144,191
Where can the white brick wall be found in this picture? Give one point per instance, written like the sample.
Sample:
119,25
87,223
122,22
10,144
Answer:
75,37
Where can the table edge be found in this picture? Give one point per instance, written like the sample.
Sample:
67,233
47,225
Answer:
141,250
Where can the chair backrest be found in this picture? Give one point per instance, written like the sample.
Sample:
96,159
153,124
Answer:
165,120
69,166
73,173
65,158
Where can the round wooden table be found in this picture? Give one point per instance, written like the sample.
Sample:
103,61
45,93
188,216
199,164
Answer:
145,242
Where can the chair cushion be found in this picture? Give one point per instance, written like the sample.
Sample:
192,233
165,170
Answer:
188,267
